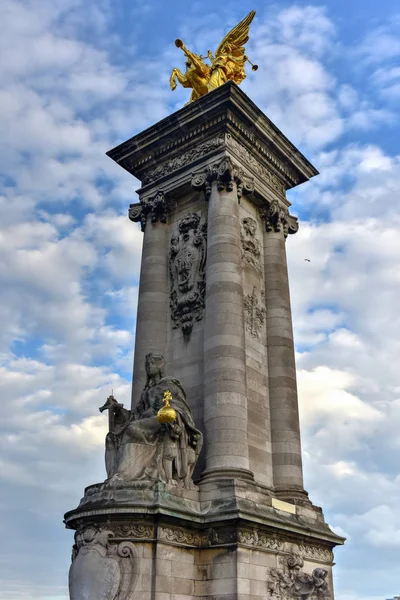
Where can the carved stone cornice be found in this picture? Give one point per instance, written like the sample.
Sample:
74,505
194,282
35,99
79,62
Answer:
277,218
248,158
153,207
226,174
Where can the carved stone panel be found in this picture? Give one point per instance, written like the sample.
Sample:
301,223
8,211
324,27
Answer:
291,582
101,569
187,260
251,247
254,312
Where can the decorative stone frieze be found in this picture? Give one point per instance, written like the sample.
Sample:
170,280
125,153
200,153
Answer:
251,247
135,532
290,582
247,158
102,568
190,156
187,260
256,539
154,208
226,173
180,536
277,218
255,312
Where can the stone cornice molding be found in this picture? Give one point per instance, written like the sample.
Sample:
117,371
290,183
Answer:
215,537
154,208
226,174
277,218
207,126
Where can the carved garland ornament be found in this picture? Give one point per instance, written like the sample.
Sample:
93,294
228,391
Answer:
290,582
154,208
277,218
100,568
226,174
255,313
187,260
251,251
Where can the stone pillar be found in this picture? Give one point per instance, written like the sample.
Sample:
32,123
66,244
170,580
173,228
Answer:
225,394
285,428
153,298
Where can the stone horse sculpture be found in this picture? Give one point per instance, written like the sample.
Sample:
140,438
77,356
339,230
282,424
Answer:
139,447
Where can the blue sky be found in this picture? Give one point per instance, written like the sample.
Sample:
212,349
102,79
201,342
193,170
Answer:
79,78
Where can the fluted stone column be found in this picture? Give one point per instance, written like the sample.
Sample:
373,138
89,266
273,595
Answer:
153,298
285,429
225,394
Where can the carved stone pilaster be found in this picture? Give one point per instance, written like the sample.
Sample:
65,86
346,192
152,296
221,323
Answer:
277,218
153,207
290,582
226,173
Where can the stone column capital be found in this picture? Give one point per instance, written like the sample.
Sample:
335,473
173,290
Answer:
277,218
154,207
225,173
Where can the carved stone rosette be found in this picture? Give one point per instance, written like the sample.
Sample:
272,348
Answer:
291,582
100,568
187,260
277,218
251,247
255,313
154,208
226,173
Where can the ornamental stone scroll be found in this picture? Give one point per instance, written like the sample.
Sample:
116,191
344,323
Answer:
154,208
225,173
277,218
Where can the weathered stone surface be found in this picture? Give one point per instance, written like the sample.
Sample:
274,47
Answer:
214,300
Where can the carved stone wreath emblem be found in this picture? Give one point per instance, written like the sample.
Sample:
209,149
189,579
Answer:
291,582
187,260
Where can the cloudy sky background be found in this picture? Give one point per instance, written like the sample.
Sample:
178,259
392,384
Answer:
79,77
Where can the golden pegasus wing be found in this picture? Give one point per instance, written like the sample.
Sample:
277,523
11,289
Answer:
236,38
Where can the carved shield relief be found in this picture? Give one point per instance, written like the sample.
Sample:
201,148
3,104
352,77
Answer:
187,268
101,570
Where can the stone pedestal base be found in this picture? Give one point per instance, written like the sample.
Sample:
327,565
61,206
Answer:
229,540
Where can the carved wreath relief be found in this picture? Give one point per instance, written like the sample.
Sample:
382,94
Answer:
291,582
101,569
187,260
254,313
251,251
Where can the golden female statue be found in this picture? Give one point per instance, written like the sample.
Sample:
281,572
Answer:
227,64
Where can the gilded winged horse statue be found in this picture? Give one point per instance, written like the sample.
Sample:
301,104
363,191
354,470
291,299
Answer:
226,65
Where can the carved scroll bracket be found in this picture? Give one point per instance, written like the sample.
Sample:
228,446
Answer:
277,218
154,208
226,174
